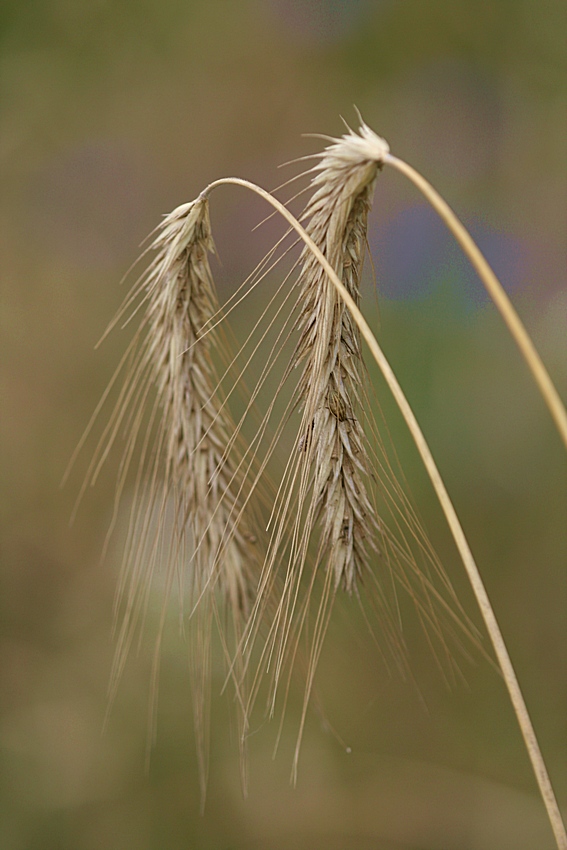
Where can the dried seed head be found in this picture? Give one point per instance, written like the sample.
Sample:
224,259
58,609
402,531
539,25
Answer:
197,424
329,493
329,350
326,482
190,521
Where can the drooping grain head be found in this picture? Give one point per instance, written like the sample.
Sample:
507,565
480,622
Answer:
329,352
189,521
197,424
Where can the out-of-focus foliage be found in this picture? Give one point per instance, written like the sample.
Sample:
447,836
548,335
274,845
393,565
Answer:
115,112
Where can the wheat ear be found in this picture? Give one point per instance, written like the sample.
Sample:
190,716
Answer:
329,353
326,502
189,513
335,470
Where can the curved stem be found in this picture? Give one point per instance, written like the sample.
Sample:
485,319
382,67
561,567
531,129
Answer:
495,290
471,568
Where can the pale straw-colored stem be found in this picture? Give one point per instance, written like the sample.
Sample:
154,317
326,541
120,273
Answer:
475,579
495,290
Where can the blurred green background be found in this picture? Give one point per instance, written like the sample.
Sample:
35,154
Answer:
112,114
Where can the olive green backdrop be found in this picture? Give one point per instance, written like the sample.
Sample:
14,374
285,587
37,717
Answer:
112,114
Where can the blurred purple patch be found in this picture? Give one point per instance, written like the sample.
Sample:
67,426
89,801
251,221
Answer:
414,255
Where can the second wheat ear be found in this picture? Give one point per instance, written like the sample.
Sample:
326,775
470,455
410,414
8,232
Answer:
377,153
327,516
195,470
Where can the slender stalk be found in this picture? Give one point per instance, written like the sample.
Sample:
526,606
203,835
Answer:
471,568
496,292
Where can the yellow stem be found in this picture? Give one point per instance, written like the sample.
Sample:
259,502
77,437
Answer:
496,292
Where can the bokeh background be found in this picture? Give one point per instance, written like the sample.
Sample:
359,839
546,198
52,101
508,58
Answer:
112,114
